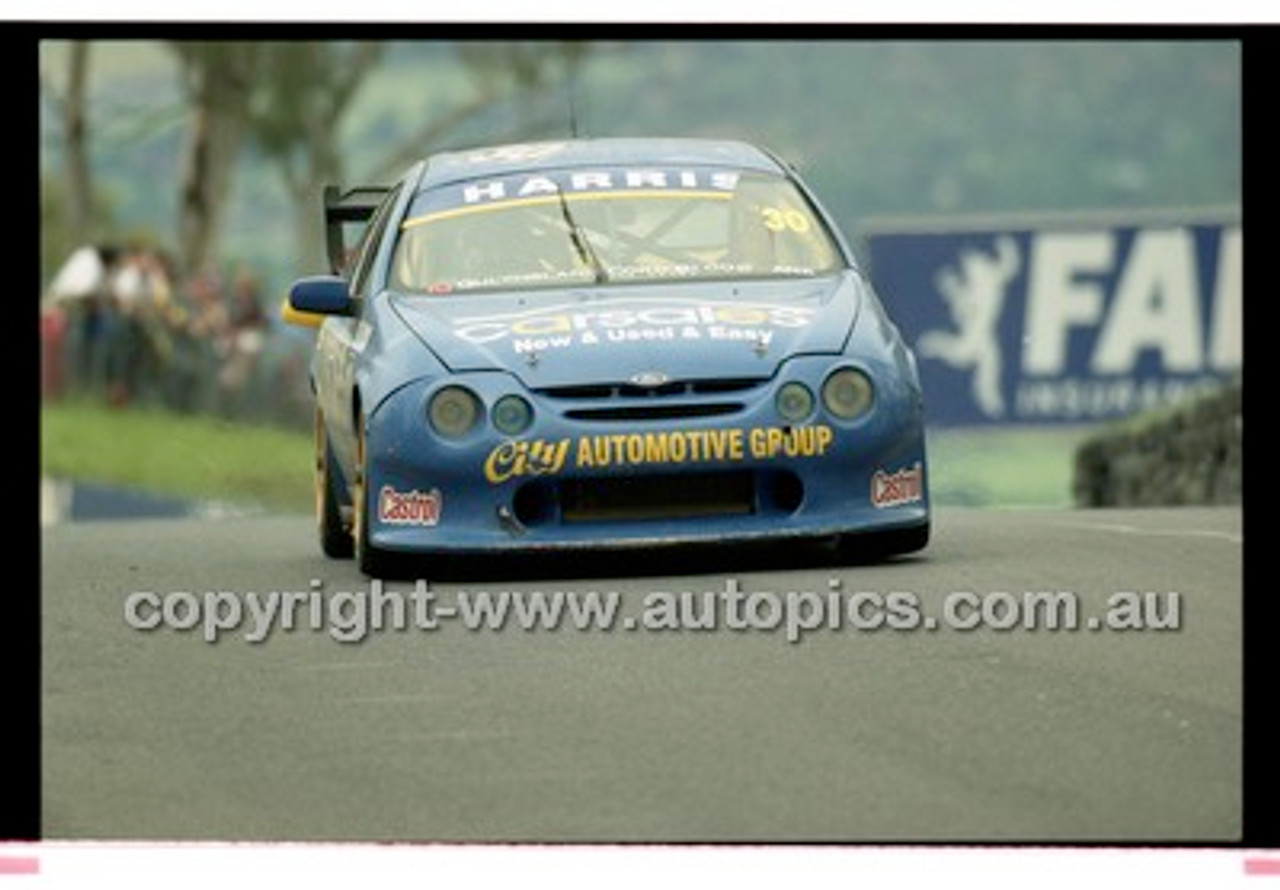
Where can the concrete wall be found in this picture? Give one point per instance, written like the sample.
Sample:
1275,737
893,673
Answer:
1188,455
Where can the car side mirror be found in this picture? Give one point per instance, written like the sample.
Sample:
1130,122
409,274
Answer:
311,299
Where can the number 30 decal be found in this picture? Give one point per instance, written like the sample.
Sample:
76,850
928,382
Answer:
780,219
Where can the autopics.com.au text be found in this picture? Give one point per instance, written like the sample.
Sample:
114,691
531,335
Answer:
349,616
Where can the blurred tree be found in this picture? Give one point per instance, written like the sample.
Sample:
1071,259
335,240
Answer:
499,72
304,90
217,79
882,126
76,188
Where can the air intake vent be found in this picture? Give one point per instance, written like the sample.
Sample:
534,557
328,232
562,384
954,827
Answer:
660,411
665,390
656,497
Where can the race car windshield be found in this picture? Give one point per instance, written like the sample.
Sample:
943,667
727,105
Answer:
610,227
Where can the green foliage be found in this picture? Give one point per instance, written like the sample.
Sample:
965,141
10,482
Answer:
896,127
184,455
1003,467
880,127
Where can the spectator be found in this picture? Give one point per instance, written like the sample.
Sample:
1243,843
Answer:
144,344
80,291
246,329
198,341
53,331
124,325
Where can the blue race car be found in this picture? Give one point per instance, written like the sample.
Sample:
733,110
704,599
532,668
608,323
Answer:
604,343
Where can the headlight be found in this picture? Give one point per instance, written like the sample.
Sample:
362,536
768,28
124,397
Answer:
794,402
453,411
511,415
847,393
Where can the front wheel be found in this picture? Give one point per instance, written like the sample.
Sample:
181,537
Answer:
334,531
373,561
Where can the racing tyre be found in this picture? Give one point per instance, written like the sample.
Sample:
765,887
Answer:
335,536
374,562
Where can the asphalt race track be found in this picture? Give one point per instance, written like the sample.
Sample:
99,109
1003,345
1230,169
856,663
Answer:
854,734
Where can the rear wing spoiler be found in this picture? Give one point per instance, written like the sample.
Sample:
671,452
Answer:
341,206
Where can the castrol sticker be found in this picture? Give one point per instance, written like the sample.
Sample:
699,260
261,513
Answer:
409,507
905,486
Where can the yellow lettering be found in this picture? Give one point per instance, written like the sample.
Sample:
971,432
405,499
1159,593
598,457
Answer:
618,448
549,324
635,449
735,444
539,457
525,458
825,435
501,463
655,448
774,440
741,315
677,448
561,452
780,219
695,446
715,445
773,219
765,443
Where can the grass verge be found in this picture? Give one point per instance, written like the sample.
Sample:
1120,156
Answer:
1008,467
188,456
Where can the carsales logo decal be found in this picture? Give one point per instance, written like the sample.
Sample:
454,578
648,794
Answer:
409,507
906,486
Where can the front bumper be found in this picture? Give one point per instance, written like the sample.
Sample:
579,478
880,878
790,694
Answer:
694,468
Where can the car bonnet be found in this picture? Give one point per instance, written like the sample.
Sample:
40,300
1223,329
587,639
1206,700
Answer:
705,331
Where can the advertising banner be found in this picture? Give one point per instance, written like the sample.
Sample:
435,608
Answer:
1066,319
